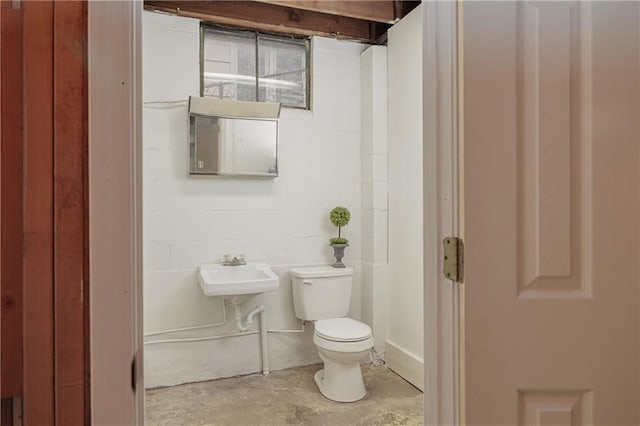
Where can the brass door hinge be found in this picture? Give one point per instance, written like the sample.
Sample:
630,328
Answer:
453,259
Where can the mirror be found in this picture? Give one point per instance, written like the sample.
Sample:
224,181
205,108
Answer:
233,138
233,146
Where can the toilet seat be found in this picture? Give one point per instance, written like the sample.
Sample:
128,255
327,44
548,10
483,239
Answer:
342,330
342,347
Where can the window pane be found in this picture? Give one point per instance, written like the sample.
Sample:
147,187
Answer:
229,64
282,71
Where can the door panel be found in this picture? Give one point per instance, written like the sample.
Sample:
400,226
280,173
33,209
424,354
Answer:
551,107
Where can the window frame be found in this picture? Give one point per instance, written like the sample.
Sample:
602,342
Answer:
204,26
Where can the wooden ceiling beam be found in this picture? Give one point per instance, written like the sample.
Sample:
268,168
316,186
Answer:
376,10
273,18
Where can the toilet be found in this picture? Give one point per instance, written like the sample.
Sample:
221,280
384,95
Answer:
322,294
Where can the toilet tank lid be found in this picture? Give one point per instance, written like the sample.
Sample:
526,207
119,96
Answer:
321,272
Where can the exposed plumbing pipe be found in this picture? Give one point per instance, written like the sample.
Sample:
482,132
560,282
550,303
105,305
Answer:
244,331
220,336
195,327
167,104
199,339
299,330
238,315
264,343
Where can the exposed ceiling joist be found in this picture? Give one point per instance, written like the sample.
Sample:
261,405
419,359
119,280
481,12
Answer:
377,10
268,17
353,20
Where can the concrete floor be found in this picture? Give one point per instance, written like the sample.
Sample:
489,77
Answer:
287,397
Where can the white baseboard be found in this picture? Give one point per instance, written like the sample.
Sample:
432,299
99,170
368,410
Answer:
407,365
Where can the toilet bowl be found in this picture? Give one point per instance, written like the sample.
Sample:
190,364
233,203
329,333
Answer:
322,294
342,343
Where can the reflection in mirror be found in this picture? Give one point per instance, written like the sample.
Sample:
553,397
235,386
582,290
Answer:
233,146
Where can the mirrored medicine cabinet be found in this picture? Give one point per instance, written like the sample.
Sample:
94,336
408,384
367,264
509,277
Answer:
233,138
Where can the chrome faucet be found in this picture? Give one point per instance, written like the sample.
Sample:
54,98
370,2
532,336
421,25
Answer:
235,261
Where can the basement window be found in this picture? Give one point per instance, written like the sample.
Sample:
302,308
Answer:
251,66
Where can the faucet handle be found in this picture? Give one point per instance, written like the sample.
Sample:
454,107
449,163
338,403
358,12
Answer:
226,258
241,257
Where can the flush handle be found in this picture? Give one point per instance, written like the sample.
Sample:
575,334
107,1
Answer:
307,282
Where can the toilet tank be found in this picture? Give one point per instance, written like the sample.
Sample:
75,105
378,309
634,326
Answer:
321,292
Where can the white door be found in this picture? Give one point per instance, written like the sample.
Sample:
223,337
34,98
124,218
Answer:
551,212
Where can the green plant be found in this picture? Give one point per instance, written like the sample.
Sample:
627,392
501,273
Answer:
340,217
338,240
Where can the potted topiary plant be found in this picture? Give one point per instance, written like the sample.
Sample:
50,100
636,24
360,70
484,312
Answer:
340,217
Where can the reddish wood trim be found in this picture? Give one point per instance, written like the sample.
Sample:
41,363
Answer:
377,10
11,190
268,17
86,290
38,405
44,81
70,220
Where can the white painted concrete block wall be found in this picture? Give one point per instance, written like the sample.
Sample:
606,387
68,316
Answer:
283,221
375,267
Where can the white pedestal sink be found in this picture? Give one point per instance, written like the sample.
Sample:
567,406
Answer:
229,281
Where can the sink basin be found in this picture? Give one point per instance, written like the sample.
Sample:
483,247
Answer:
252,278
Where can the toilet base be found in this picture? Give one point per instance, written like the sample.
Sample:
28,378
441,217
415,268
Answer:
340,382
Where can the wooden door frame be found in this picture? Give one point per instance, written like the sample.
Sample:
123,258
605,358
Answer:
441,156
123,157
51,235
11,130
38,260
115,174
